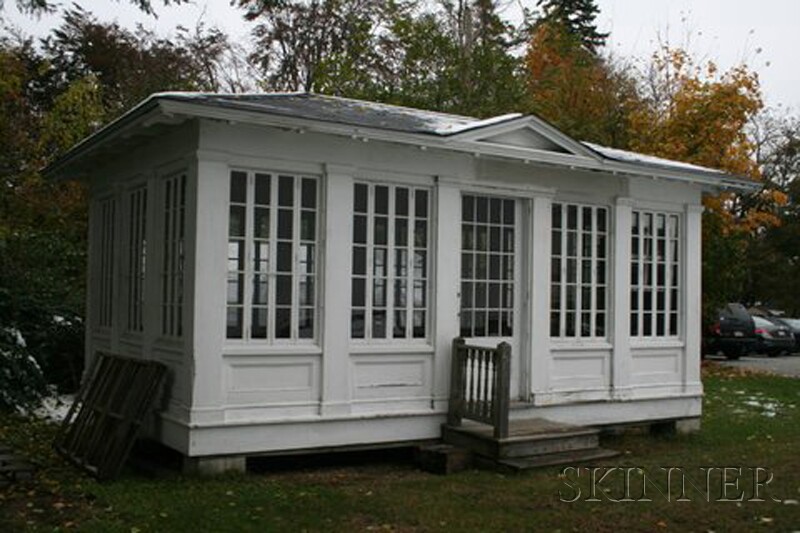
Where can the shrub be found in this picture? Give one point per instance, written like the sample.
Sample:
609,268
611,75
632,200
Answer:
22,383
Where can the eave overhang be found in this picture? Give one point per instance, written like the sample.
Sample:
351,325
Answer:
160,110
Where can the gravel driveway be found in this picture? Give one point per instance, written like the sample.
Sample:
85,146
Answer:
784,365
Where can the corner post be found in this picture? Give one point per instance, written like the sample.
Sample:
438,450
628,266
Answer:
502,400
620,379
456,408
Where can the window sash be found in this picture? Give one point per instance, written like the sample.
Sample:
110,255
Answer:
136,265
384,284
105,260
579,271
257,285
655,274
173,259
489,242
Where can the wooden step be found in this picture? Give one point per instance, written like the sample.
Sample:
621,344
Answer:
527,438
556,459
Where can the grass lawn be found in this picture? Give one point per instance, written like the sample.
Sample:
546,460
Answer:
749,420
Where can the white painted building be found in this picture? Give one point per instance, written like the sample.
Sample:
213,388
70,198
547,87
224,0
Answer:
302,264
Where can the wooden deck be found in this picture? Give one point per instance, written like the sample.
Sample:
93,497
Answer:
530,443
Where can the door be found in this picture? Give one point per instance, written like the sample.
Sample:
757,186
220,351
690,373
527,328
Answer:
490,275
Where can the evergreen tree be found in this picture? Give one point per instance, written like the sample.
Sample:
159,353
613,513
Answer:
578,18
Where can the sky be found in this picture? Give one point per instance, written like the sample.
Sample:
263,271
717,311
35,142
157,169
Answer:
763,33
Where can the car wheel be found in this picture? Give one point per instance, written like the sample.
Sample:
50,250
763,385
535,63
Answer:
733,356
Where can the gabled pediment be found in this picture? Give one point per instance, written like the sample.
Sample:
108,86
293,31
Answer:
526,133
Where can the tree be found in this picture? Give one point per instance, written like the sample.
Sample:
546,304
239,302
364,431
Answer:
578,18
38,7
584,95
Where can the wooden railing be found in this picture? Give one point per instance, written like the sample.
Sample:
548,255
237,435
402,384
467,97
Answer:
480,380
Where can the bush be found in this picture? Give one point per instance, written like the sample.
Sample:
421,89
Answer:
22,383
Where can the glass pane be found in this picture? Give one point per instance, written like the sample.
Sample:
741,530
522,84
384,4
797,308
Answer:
493,324
507,328
360,198
480,295
401,232
482,209
360,229
419,294
572,217
238,188
421,234
466,324
401,263
234,323
236,255
555,324
586,326
601,220
555,270
235,289
495,244
481,266
236,221
399,324
285,222
586,219
305,324
555,218
283,290
400,293
600,325
494,267
481,238
309,192
401,202
359,292
420,265
468,208
359,260
379,324
357,324
379,293
260,289
286,191
421,203
382,200
307,253
467,237
419,324
308,225
379,262
570,325
508,212
381,230
258,327
283,323
480,323
466,296
261,223
284,257
494,295
306,288
495,210
262,189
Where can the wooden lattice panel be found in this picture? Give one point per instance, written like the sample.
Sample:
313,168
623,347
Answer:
102,424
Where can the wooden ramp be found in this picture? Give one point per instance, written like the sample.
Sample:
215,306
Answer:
530,443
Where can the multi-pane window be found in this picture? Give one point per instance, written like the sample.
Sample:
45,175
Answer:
137,241
272,256
105,297
390,262
487,266
655,280
173,255
578,284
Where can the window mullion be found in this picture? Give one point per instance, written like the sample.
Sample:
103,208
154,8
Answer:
593,282
390,264
368,288
294,312
562,326
272,263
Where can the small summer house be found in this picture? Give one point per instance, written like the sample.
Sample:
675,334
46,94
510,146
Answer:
303,264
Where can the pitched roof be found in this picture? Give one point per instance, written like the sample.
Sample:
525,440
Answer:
343,111
413,125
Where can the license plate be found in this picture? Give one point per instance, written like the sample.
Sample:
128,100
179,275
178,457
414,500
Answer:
738,334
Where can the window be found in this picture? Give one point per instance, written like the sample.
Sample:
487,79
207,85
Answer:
487,266
655,281
390,262
578,271
137,241
105,300
272,256
173,256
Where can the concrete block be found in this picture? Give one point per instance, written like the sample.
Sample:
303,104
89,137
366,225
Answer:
215,465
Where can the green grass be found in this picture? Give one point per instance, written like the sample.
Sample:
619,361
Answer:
739,430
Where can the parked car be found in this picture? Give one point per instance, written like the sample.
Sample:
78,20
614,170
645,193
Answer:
733,333
794,325
772,337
